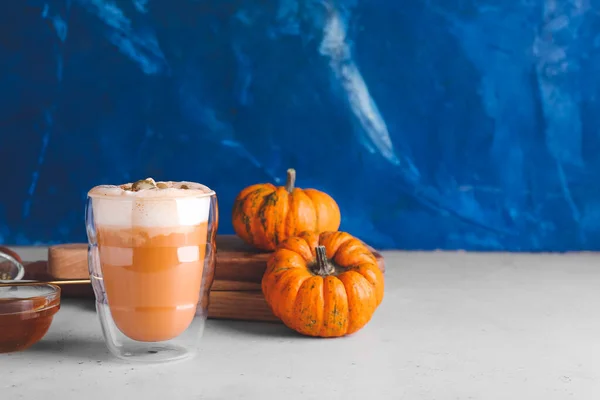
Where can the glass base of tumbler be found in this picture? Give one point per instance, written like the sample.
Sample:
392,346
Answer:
154,354
181,348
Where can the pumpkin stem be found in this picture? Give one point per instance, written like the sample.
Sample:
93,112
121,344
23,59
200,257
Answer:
324,268
291,180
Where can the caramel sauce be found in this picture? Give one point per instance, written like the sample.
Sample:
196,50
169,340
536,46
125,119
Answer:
23,322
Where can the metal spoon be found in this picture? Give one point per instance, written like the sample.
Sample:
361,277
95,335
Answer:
33,283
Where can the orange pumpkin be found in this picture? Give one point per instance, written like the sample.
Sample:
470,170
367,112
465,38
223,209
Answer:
325,285
264,215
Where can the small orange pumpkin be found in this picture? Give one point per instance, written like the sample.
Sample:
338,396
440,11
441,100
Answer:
325,285
264,215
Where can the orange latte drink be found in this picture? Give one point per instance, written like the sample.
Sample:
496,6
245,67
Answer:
151,238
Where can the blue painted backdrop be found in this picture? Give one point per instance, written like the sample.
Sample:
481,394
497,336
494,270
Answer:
435,124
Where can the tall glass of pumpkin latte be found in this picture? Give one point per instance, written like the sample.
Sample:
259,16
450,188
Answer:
151,261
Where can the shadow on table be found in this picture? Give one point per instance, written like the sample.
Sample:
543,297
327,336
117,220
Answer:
84,304
268,329
81,349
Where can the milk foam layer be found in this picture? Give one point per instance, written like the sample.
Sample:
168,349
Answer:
171,207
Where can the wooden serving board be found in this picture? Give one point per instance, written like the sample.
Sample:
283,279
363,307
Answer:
235,294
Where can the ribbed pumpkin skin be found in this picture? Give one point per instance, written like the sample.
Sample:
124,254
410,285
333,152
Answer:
264,215
323,285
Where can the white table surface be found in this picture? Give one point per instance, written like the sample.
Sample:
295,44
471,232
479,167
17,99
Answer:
451,326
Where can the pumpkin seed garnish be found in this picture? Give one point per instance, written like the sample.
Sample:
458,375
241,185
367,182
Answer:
147,183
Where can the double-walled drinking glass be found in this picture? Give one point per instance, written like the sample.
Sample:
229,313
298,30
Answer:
151,260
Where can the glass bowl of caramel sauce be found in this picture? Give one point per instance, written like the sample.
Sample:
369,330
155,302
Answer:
26,313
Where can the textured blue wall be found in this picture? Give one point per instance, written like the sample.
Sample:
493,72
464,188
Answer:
435,124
